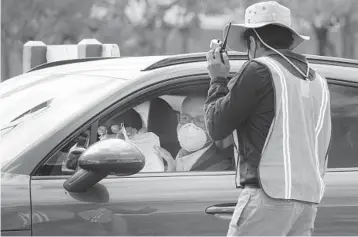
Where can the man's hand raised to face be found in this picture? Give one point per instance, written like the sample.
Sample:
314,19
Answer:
216,68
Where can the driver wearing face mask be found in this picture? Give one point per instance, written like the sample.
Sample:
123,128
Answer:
198,151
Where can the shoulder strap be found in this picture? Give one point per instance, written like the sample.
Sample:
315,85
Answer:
207,159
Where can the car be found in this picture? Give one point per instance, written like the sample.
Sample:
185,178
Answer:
52,107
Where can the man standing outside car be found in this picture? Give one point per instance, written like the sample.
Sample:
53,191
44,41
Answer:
278,110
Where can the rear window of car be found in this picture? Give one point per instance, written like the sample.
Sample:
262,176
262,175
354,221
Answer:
344,107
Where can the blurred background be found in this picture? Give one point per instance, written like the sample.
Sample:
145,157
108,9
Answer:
159,27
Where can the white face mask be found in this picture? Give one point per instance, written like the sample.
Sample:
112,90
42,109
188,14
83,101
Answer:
191,137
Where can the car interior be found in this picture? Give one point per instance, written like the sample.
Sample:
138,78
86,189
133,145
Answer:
159,116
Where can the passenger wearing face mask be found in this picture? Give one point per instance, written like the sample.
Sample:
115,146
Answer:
198,151
127,126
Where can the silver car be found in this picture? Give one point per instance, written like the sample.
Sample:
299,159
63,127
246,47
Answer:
53,108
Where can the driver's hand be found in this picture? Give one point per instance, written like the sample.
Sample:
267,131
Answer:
216,68
69,166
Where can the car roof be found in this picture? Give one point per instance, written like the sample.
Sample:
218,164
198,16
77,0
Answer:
112,68
154,62
133,67
89,65
103,63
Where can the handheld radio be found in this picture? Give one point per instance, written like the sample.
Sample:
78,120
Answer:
217,43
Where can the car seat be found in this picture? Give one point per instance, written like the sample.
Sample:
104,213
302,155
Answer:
162,120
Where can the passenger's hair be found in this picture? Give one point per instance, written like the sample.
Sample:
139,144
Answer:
194,98
275,36
130,118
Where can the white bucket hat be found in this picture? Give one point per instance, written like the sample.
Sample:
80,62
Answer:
262,14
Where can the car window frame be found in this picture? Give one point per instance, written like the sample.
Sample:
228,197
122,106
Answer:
135,99
154,90
340,82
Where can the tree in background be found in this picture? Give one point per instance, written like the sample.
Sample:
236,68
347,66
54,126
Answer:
51,21
15,22
142,27
348,20
151,27
326,16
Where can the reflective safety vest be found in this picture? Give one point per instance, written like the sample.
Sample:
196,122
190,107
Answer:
294,157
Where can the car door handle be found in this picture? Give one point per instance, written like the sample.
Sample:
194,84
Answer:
222,211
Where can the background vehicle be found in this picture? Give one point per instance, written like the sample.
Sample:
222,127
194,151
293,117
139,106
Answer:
44,111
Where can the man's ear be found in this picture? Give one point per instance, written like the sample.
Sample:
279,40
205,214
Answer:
253,42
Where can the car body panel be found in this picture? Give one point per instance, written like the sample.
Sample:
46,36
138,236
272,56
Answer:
15,202
136,205
338,211
173,205
16,233
337,72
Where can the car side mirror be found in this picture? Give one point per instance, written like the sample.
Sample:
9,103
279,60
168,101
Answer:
110,156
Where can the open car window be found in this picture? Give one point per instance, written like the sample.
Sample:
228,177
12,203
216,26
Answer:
153,126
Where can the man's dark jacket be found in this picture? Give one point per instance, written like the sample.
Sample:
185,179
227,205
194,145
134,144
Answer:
248,107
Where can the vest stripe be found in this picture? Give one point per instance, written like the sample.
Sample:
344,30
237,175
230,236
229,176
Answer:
237,156
286,129
319,128
286,134
236,147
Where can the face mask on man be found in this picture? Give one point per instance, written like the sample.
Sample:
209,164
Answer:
191,137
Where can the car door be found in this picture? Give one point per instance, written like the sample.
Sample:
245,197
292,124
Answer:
338,211
158,203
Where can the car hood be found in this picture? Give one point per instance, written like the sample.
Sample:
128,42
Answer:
26,94
32,109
